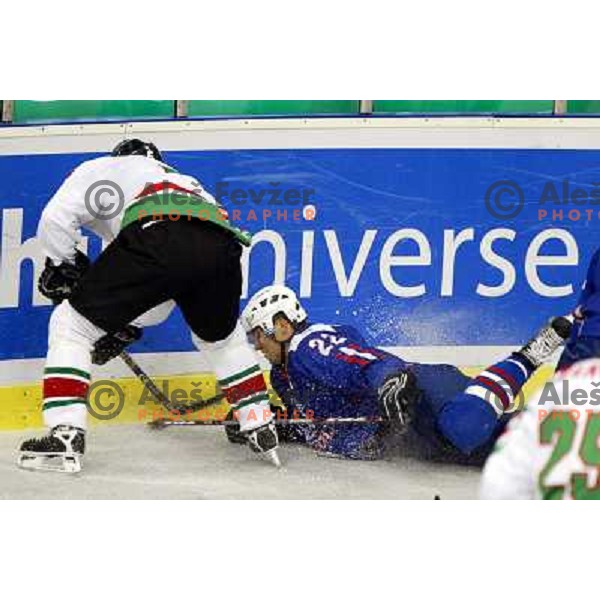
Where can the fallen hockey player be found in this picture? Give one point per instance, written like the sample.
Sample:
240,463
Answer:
152,261
330,371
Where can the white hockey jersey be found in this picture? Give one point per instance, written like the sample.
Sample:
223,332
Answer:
551,450
93,192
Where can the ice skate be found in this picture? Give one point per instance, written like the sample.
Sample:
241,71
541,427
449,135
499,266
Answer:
551,337
265,442
61,450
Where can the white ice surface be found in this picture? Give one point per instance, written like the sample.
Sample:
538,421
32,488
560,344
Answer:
132,462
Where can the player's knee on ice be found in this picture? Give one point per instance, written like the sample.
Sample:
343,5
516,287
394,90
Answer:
467,422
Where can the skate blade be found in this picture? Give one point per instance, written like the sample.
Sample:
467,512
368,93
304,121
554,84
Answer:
69,463
273,457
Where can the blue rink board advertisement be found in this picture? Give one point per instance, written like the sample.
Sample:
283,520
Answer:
415,247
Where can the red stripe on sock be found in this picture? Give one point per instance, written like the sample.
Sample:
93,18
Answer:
247,388
506,376
495,388
57,387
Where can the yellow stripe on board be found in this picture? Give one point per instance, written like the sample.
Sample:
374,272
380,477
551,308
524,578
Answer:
21,405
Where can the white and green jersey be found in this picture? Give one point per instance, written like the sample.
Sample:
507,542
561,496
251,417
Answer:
107,193
551,451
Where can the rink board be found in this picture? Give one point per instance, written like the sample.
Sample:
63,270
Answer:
402,245
22,403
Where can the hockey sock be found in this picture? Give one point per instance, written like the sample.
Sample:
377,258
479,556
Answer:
65,392
68,364
240,378
470,419
501,383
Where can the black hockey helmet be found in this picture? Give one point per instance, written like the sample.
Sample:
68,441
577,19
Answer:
138,147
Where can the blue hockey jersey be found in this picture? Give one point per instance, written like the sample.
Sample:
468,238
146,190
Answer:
333,372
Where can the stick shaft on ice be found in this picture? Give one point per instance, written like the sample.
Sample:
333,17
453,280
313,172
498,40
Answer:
160,423
159,395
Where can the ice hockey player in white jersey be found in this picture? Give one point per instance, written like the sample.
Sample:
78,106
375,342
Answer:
551,451
168,243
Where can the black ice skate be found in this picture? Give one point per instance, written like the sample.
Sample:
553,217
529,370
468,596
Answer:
541,347
60,450
264,441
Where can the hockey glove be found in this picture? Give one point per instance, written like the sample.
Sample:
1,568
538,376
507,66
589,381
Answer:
58,282
232,431
111,345
397,396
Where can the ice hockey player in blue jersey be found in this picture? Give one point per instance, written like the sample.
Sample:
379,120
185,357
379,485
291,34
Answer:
330,371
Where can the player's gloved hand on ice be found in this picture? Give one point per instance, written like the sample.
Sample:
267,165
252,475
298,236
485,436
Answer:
109,346
57,282
232,430
397,396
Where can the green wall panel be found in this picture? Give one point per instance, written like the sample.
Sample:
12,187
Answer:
583,106
27,111
31,111
199,108
458,106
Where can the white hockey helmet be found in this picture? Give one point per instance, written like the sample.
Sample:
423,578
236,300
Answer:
267,303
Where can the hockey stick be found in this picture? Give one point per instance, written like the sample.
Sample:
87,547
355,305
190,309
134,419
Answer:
159,395
162,423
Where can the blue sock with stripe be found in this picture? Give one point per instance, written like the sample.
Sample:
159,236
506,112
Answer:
471,418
